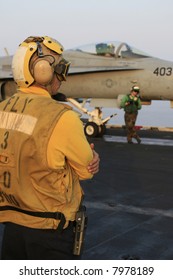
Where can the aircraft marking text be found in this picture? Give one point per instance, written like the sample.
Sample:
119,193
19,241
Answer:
162,71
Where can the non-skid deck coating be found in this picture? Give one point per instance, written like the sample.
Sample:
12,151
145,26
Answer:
130,201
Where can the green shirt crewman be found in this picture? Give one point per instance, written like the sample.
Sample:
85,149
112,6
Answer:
131,104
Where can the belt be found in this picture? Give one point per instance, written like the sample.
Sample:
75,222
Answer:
51,215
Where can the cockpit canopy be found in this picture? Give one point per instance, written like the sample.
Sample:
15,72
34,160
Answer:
112,49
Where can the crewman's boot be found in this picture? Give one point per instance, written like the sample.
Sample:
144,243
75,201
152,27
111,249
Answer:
138,140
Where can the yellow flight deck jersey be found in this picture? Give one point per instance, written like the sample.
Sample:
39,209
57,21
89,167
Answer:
43,155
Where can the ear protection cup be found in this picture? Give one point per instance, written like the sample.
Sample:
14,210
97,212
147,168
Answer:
42,72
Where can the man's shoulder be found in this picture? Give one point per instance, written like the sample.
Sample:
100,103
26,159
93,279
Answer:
125,97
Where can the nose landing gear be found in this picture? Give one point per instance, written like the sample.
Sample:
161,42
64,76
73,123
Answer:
95,126
92,129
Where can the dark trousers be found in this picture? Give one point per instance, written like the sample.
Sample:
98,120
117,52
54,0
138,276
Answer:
22,243
130,120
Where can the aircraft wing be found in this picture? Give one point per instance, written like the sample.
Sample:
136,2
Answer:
6,74
85,70
5,67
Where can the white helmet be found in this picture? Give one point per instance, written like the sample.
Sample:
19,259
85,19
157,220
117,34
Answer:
135,88
37,59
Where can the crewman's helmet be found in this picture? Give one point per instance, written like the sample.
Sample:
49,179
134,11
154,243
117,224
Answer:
136,89
37,59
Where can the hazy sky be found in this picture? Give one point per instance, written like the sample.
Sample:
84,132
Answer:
144,24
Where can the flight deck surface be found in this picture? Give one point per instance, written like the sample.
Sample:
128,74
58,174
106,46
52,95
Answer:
130,201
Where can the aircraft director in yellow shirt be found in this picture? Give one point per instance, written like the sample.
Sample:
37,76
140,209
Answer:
43,156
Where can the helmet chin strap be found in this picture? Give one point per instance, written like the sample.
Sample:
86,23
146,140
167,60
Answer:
49,87
46,87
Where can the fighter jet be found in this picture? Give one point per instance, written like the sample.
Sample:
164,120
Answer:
102,73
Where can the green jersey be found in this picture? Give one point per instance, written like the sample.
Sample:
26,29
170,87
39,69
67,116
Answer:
130,103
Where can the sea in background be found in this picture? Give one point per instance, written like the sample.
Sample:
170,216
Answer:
158,114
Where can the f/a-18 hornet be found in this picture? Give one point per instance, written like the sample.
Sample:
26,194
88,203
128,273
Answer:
101,74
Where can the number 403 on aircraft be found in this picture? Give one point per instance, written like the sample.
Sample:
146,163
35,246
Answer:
163,71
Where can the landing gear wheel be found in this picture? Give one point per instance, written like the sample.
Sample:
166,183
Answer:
102,130
91,129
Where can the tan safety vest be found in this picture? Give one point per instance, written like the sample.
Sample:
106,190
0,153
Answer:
27,184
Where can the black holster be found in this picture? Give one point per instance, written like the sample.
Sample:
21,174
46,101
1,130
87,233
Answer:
80,228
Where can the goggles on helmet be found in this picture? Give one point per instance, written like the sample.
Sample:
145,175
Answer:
61,69
136,89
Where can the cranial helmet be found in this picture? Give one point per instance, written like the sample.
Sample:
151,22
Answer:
136,89
37,59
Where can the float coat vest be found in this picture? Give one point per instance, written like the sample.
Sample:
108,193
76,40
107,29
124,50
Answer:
27,183
133,106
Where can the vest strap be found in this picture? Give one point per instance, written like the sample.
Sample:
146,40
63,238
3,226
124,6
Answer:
51,215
